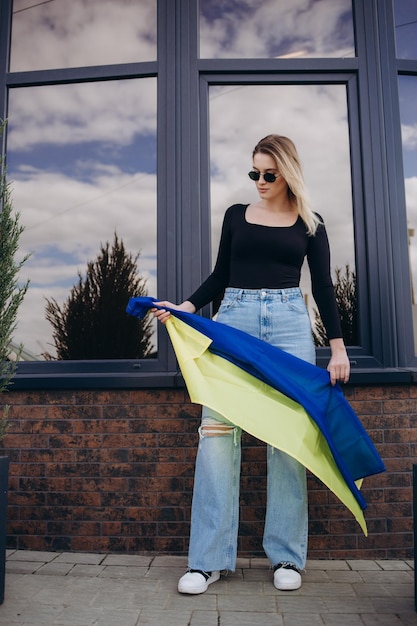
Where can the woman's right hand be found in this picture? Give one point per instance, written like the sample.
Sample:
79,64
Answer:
162,315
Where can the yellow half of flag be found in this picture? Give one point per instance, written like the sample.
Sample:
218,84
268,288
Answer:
257,408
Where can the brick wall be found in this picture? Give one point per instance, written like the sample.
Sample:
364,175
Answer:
113,471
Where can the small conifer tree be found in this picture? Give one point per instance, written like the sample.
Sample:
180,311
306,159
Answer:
345,294
11,292
93,323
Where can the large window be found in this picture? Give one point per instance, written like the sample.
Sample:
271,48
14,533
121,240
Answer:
408,98
405,15
137,118
82,161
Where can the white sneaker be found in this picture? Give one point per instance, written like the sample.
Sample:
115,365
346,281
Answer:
196,581
286,577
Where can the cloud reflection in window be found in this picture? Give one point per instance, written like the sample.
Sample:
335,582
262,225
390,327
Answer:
77,33
271,29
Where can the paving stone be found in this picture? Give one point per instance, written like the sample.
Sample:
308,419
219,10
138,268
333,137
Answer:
32,555
393,604
326,565
129,560
295,604
204,618
397,589
114,600
170,574
320,576
237,618
369,590
55,569
23,567
262,575
86,570
339,590
391,566
170,561
81,558
241,586
179,602
162,618
363,565
77,615
341,620
339,576
118,618
120,571
384,620
253,603
348,606
300,619
387,578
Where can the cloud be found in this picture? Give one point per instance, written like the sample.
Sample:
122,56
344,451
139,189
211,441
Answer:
112,112
409,136
78,33
244,29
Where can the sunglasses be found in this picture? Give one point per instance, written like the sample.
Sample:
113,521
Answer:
268,176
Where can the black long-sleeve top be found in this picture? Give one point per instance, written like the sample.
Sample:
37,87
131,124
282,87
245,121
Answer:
252,256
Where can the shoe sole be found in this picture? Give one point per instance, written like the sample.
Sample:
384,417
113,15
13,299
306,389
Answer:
287,587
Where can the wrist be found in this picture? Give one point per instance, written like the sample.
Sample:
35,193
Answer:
337,345
188,307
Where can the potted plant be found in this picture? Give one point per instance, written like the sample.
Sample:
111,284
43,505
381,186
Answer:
11,296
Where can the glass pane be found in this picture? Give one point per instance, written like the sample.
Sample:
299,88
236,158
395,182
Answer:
76,33
82,164
315,118
270,29
408,98
405,12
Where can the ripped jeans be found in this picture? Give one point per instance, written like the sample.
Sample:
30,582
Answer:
281,318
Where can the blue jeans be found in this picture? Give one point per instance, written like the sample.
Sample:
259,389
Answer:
280,317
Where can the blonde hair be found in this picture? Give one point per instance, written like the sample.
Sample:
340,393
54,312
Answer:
285,155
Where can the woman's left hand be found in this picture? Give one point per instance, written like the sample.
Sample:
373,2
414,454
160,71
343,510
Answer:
339,366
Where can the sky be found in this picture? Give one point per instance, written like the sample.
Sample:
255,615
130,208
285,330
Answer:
62,33
253,29
82,157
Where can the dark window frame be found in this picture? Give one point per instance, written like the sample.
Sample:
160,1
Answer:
183,239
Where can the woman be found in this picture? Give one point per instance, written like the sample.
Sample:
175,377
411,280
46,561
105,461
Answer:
261,251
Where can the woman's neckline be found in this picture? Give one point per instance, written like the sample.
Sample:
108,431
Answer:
267,225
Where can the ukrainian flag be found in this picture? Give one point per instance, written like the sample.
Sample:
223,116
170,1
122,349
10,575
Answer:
276,397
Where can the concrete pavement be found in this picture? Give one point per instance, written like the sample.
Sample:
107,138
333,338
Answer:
79,589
